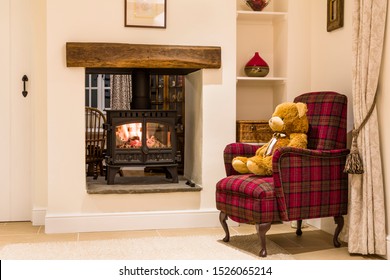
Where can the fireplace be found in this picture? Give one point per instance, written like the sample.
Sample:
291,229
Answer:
141,138
158,127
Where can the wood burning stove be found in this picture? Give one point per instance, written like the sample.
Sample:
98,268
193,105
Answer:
141,138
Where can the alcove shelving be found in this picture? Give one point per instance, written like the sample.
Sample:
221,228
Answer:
264,32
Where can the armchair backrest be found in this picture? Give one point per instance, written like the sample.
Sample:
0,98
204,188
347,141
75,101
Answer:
327,114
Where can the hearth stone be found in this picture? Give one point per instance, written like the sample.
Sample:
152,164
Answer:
137,183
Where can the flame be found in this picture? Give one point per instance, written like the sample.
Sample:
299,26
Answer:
129,134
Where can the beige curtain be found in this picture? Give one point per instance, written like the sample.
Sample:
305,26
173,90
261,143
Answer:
366,234
120,92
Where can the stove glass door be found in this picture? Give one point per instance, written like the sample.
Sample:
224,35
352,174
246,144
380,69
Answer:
158,136
129,136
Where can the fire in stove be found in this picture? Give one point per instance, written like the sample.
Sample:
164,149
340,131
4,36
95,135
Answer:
129,136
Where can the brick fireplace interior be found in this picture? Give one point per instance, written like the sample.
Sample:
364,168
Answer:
141,61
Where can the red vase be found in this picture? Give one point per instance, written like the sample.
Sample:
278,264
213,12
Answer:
256,67
257,5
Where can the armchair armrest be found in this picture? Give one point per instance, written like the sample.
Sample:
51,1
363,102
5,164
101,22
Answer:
234,150
311,183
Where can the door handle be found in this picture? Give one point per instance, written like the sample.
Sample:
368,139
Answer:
24,79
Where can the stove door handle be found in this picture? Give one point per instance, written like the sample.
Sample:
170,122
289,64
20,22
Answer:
145,150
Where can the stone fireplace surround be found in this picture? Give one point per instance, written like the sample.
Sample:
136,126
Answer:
156,59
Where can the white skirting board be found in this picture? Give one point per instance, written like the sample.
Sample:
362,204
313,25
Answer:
131,221
38,216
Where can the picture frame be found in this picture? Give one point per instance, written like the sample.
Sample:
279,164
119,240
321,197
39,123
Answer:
145,13
335,14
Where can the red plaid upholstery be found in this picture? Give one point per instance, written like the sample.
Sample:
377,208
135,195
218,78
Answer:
248,198
233,150
312,181
327,114
306,183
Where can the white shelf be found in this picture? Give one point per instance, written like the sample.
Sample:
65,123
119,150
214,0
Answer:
252,15
262,79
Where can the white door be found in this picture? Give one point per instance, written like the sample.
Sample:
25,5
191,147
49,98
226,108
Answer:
15,113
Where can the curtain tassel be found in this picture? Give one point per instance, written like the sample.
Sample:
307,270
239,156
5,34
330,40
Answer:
353,164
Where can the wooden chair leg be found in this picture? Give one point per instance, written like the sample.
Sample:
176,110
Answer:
222,218
101,170
95,170
261,231
339,220
90,169
299,228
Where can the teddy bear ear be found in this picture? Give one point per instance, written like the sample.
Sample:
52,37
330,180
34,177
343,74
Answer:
302,109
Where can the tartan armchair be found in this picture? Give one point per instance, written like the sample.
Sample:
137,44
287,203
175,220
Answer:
306,183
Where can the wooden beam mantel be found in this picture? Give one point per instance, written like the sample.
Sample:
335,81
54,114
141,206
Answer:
116,55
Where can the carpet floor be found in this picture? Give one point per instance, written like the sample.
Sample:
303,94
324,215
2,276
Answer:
240,247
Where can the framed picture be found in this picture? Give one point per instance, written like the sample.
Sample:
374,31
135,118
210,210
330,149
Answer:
335,14
145,13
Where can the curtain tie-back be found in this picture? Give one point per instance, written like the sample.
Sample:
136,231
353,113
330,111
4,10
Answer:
353,164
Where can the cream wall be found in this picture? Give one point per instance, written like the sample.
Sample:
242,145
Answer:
69,207
299,49
331,53
313,52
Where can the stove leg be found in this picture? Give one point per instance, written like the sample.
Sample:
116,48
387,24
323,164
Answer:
172,174
111,172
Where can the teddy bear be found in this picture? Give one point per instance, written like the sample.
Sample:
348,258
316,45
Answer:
290,125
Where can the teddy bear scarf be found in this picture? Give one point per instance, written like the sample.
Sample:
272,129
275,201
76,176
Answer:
275,137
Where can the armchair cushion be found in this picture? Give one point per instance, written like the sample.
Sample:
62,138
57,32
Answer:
248,198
